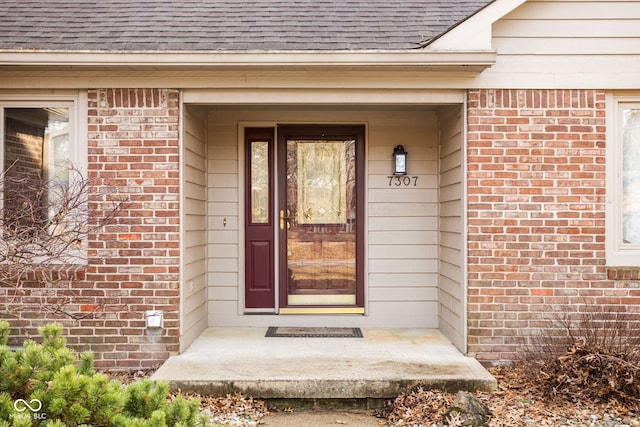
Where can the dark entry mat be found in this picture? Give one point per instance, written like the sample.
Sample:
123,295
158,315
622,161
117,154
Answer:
294,332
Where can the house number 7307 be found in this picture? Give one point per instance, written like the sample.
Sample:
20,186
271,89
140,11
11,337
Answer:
403,181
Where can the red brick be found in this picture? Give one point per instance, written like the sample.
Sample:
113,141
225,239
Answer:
558,175
129,155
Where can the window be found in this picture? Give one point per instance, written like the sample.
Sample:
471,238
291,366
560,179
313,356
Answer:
36,152
623,182
39,155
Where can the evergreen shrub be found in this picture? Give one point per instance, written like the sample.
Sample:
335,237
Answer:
47,384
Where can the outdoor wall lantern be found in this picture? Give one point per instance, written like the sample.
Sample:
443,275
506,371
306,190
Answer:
154,318
399,161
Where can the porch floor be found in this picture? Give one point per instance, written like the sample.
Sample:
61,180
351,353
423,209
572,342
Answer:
382,364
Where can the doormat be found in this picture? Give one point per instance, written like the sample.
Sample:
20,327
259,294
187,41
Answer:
293,332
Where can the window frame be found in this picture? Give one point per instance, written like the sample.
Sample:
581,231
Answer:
618,254
77,104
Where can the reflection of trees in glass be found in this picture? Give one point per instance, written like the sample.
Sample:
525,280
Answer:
351,178
36,147
322,183
320,170
322,255
259,182
631,176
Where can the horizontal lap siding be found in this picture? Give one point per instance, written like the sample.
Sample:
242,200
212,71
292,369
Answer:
223,219
403,220
451,281
402,237
566,44
570,28
194,295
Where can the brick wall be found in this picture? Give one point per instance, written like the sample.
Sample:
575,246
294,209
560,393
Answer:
536,219
133,262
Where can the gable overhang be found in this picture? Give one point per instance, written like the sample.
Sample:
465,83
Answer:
475,32
473,61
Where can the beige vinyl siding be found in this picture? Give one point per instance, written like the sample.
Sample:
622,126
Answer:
451,287
223,221
567,44
401,247
194,282
403,219
570,28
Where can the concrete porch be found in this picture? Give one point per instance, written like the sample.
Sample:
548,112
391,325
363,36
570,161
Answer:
382,364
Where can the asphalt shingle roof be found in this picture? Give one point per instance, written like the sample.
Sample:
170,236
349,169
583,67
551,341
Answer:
218,25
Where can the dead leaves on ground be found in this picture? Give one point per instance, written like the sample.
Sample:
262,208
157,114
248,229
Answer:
234,409
417,407
595,375
520,401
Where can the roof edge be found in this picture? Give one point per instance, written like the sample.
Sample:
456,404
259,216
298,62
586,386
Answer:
473,60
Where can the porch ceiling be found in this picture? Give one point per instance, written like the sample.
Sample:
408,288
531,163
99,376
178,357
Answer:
343,98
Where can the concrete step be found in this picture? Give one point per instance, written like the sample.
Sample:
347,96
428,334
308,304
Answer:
381,365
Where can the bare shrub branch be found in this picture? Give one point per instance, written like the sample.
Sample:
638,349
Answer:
608,329
44,226
592,353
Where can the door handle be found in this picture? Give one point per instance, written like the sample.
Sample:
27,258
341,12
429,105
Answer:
284,218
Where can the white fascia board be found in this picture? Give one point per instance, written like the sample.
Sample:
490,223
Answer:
475,33
474,61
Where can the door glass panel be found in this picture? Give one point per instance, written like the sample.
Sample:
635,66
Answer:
321,214
322,179
631,177
259,182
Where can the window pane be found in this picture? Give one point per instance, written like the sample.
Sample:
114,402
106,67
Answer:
631,177
260,182
56,140
36,153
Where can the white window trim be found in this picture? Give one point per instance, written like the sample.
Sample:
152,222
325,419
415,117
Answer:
618,254
77,103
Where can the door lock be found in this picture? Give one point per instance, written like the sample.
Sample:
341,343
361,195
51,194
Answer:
284,218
